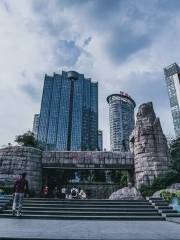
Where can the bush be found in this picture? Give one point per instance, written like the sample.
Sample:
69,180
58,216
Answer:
160,183
168,196
146,191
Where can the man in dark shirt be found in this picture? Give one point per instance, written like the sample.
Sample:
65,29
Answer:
20,186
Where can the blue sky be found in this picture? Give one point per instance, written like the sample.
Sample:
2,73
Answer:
124,45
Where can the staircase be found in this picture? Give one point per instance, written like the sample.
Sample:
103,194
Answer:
5,202
48,208
163,207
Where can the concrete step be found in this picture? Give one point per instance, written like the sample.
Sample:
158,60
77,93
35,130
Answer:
87,217
109,209
87,213
87,205
165,207
87,209
4,200
156,198
3,204
168,211
177,214
86,202
160,202
90,200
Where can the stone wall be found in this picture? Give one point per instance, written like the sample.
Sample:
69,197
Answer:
88,159
15,160
149,145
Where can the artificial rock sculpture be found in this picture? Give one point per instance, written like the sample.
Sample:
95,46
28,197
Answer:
126,193
16,160
149,145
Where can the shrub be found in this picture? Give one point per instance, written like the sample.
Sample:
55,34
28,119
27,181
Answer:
160,183
168,196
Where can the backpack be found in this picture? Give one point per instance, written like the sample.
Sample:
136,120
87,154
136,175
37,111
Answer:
74,193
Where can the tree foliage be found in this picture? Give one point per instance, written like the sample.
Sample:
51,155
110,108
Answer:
27,140
160,182
175,153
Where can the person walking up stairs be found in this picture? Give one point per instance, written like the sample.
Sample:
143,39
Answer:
20,186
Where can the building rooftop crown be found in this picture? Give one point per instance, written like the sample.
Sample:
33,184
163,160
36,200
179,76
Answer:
171,70
121,95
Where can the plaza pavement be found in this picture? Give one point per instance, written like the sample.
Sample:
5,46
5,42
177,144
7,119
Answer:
70,229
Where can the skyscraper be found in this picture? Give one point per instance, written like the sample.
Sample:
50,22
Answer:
121,117
35,124
100,140
69,113
172,76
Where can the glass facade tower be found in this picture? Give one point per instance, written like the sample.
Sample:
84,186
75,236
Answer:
172,76
69,113
100,140
121,117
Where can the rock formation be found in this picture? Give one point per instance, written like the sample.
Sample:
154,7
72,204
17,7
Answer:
126,193
149,145
16,160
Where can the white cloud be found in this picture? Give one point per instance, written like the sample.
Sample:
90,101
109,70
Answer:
31,37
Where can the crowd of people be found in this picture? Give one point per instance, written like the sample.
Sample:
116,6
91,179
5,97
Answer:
64,193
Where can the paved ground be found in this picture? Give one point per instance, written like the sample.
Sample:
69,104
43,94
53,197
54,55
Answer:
174,219
60,229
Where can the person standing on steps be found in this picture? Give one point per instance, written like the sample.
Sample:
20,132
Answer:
20,187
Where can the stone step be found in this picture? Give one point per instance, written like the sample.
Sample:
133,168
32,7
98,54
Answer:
86,209
6,197
88,205
92,209
87,213
156,198
162,205
159,201
87,217
177,214
168,211
79,200
165,207
4,204
5,200
88,202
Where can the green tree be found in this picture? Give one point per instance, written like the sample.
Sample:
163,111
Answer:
27,140
175,154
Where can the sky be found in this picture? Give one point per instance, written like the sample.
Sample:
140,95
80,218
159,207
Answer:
122,44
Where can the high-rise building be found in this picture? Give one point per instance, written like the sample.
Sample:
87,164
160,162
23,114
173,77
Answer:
35,124
100,140
121,117
69,113
172,76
